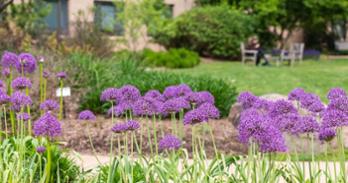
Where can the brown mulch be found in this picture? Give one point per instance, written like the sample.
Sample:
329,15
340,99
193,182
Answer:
76,135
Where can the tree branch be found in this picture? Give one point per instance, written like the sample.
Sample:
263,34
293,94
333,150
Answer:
4,4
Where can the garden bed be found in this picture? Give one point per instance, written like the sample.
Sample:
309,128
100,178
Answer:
75,136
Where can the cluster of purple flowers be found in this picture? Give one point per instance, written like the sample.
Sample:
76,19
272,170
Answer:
264,121
130,125
87,115
49,105
169,142
178,98
47,126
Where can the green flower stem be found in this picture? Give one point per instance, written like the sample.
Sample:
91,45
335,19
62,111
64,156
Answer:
342,159
141,136
41,81
132,143
126,142
181,124
149,134
92,146
155,133
4,113
45,89
162,125
28,111
173,123
213,140
48,163
111,145
326,162
61,107
136,142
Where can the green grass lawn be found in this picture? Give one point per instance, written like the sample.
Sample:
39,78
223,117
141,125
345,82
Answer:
313,76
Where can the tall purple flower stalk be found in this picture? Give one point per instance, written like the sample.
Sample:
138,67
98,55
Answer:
47,126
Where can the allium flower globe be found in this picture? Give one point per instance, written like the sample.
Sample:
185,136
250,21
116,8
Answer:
110,94
87,115
26,64
132,125
49,105
155,94
6,72
23,116
176,91
326,134
47,126
19,101
120,128
40,149
61,75
247,100
169,142
21,83
9,59
335,93
175,105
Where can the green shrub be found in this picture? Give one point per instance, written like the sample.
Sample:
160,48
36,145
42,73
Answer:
96,75
215,31
173,58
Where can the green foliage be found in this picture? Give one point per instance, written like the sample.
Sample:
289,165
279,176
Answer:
173,58
28,166
215,31
92,76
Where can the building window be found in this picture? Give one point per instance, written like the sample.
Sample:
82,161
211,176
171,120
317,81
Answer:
106,18
52,20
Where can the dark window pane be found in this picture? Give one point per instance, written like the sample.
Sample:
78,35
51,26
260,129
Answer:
106,18
51,19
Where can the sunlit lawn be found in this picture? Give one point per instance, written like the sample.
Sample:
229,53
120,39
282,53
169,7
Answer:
313,76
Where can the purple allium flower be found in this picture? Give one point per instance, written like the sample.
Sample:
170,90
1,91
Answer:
61,75
45,74
296,94
169,142
146,106
132,125
49,105
198,98
195,116
118,110
326,134
334,118
47,125
258,128
2,84
311,102
247,100
282,107
21,83
6,72
340,104
129,94
9,59
262,105
110,94
23,116
120,128
19,100
335,93
87,115
211,111
309,124
4,98
40,149
290,123
26,64
175,105
155,94
176,91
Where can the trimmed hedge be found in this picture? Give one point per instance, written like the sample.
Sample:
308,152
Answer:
101,74
173,58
